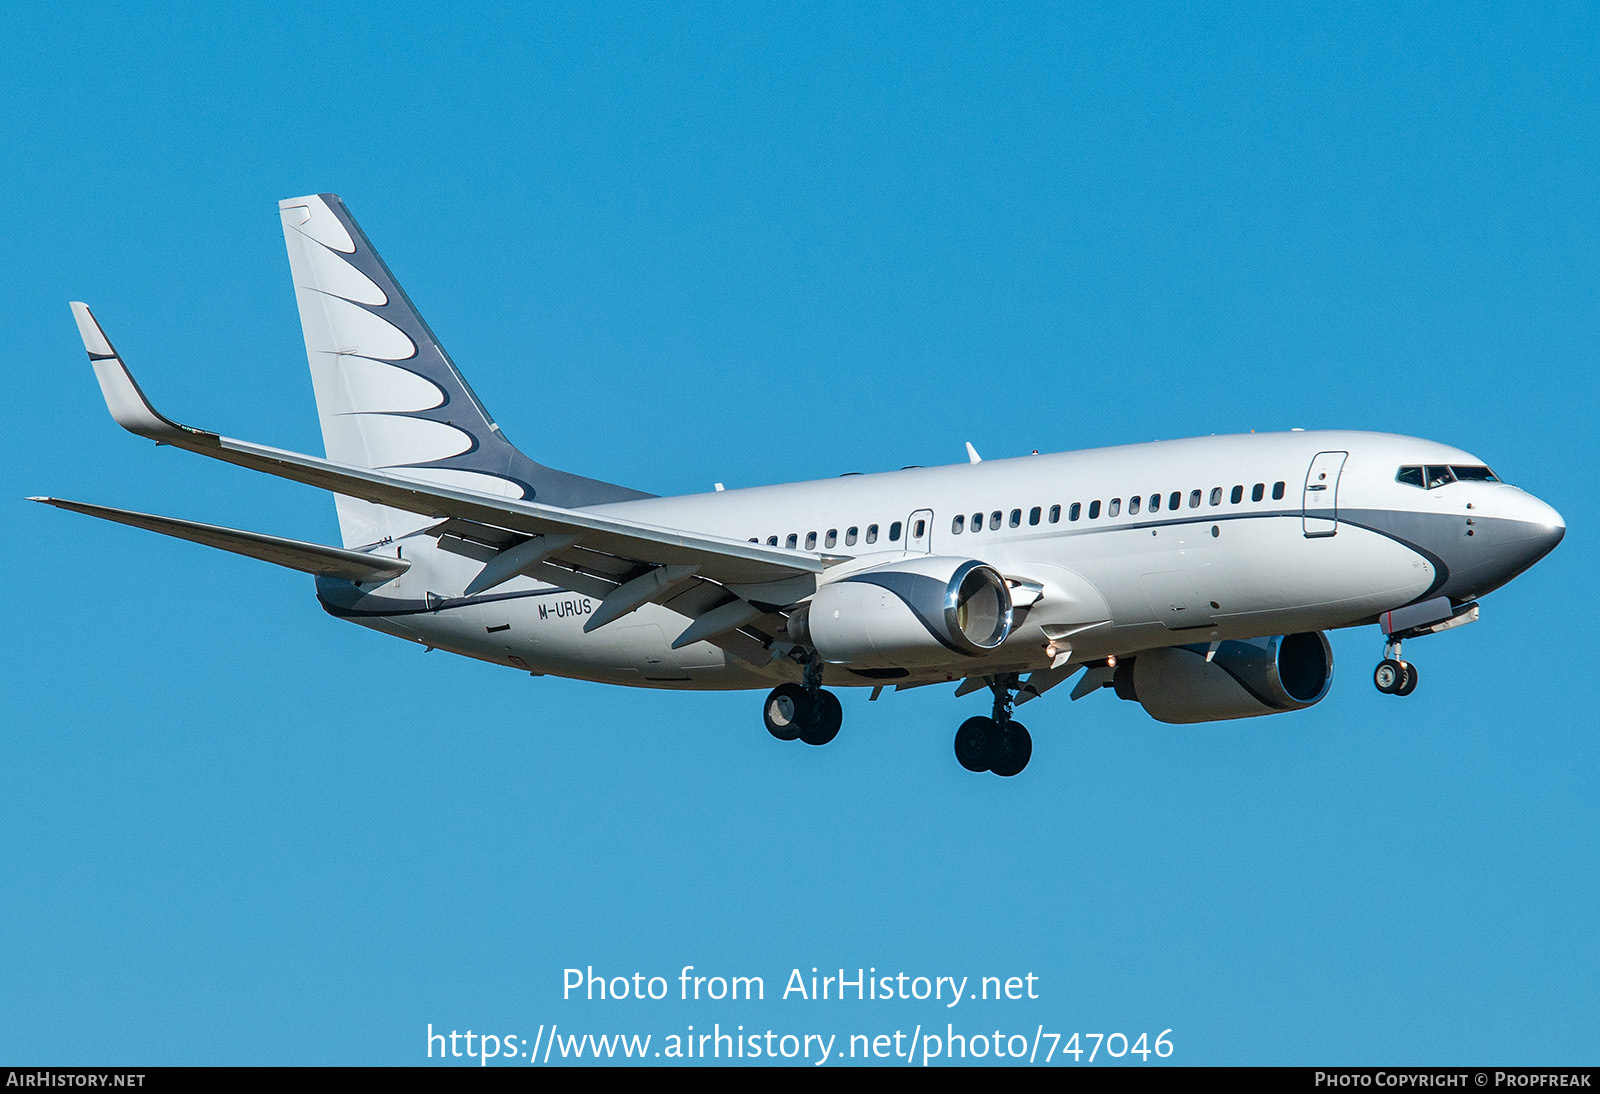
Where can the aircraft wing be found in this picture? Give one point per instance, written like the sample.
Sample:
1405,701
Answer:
545,534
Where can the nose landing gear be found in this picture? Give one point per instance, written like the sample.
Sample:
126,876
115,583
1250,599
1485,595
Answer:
997,743
804,711
1394,676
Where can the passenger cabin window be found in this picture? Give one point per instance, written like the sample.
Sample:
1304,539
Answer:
1094,510
1155,503
919,529
832,539
977,522
1133,505
772,541
1194,499
1277,491
1175,500
1016,518
872,533
1258,491
1237,496
994,520
1055,514
811,541
1114,508
957,525
1076,511
894,532
1216,495
792,542
1033,515
850,537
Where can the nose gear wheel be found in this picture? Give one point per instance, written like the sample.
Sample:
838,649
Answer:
1394,676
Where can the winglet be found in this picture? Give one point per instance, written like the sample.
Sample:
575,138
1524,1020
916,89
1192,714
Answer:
127,403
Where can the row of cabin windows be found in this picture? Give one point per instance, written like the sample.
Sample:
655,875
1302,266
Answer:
1113,508
1174,501
830,539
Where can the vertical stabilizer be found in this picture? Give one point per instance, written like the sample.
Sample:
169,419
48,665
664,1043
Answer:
388,395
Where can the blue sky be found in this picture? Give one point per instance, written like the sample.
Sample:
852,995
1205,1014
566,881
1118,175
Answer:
754,244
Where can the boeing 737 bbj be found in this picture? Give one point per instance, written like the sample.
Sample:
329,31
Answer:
1194,577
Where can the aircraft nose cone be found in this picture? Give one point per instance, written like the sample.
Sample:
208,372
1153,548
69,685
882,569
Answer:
1541,525
1503,541
1554,529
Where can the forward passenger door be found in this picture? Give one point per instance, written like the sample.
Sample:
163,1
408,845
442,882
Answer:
1321,500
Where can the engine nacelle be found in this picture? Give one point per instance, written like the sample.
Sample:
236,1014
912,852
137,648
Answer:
1245,679
917,611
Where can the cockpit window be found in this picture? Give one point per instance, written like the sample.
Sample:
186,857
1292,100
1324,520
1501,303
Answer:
1434,475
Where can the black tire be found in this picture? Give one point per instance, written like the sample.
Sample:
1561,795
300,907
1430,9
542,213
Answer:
825,723
1410,683
972,743
788,711
1388,676
1012,750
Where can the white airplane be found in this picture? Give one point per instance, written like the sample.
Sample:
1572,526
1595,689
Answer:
1195,577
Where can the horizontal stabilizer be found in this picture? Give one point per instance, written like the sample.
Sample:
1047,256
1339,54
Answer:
311,558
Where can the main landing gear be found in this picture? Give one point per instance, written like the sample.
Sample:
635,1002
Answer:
996,743
1394,676
804,711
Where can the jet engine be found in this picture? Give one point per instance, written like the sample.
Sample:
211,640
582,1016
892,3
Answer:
1242,680
918,611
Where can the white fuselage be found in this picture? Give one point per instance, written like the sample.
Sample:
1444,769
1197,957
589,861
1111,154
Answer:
1269,534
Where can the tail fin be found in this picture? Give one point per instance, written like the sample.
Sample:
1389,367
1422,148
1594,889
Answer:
388,395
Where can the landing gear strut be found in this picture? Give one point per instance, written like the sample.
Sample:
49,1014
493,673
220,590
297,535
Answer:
1394,676
804,711
996,743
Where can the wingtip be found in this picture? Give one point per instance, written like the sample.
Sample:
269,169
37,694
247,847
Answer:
94,339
